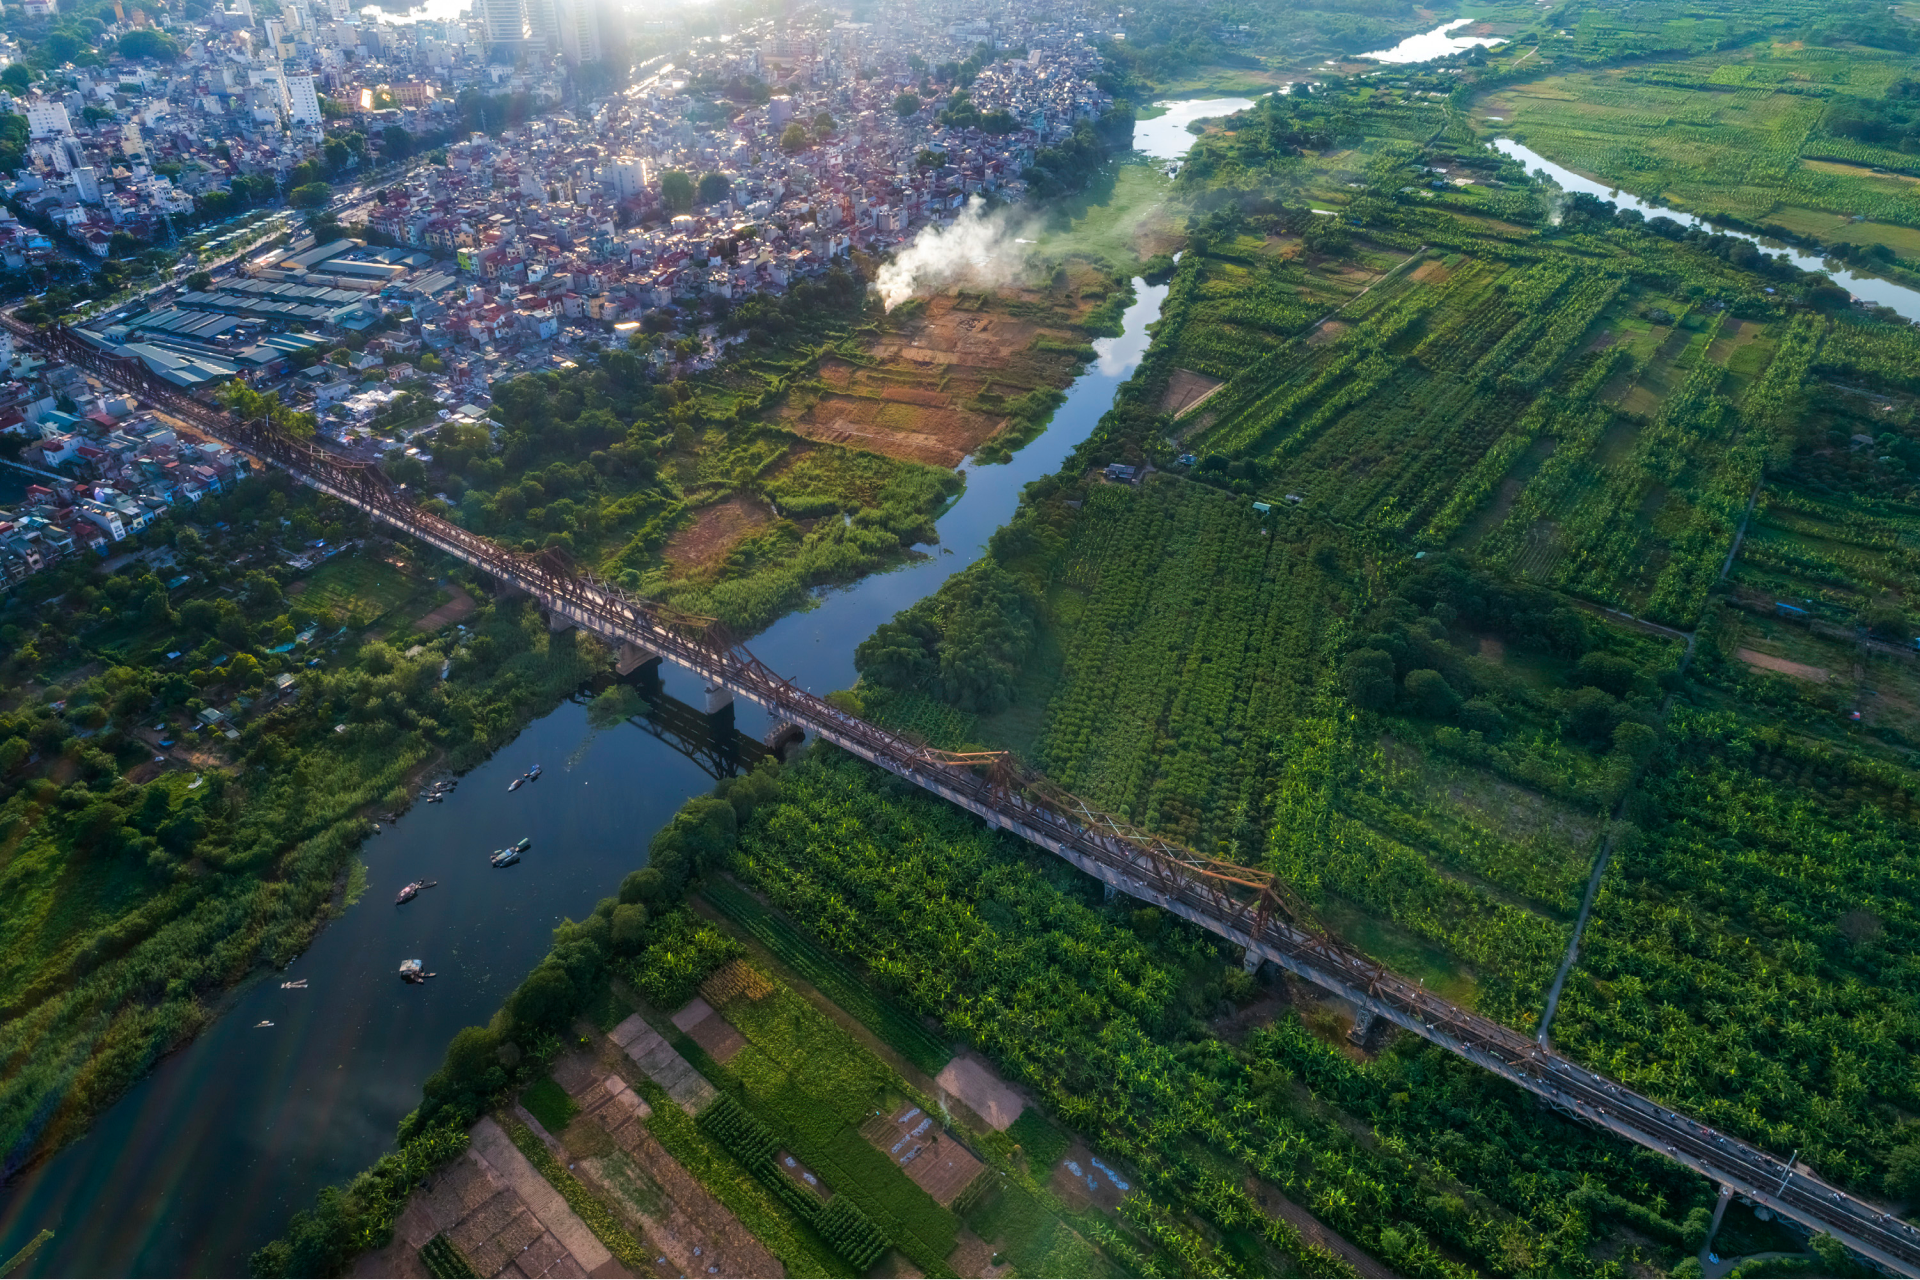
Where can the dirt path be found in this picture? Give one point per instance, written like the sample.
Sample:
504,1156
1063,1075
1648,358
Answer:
714,531
1317,1232
461,606
1785,666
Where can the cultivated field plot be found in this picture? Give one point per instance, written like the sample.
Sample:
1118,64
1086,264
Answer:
1254,296
1190,629
1526,408
635,1176
921,1146
813,1087
1754,132
939,385
364,587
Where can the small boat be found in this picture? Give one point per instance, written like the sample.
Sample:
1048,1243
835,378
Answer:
262,1023
298,984
409,891
411,971
505,857
533,773
516,784
526,843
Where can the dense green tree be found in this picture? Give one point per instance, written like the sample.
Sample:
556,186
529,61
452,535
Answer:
1431,695
1367,675
676,190
148,42
1592,714
545,1000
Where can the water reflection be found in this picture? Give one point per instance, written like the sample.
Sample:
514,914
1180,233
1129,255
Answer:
206,1157
1429,45
1166,138
1899,298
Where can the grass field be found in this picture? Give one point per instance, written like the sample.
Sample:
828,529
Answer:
368,589
1123,217
1743,132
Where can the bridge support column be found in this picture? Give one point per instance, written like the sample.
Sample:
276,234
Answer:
558,622
1364,1024
633,657
1111,889
1251,961
1719,1212
719,698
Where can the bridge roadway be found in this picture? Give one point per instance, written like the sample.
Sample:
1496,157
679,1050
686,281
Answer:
1178,881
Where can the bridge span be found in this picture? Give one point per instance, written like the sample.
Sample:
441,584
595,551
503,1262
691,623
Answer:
1248,908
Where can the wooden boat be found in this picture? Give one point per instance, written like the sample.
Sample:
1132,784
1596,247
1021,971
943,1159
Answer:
409,891
412,971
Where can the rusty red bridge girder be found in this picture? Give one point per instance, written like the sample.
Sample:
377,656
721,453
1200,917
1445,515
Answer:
1249,908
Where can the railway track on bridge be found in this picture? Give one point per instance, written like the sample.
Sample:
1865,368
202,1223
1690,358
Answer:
1244,906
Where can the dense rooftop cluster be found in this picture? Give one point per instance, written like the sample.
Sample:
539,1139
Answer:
550,207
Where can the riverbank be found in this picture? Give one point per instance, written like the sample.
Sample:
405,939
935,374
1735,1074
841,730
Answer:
315,1097
1878,290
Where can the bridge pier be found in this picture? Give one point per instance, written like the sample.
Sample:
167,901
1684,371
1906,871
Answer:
1251,961
719,699
783,738
1368,1027
558,622
1719,1212
633,657
1790,1192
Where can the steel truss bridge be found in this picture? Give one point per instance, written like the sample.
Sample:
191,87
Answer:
1248,908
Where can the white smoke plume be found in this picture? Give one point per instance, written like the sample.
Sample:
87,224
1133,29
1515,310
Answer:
977,246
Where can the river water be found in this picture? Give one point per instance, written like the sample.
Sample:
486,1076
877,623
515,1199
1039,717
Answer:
1165,137
1901,299
204,1159
1429,45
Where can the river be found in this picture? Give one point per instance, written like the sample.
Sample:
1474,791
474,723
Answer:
1901,299
205,1158
1429,45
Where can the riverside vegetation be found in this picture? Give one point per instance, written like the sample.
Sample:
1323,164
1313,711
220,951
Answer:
139,892
1484,618
1417,683
143,892
1116,1019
